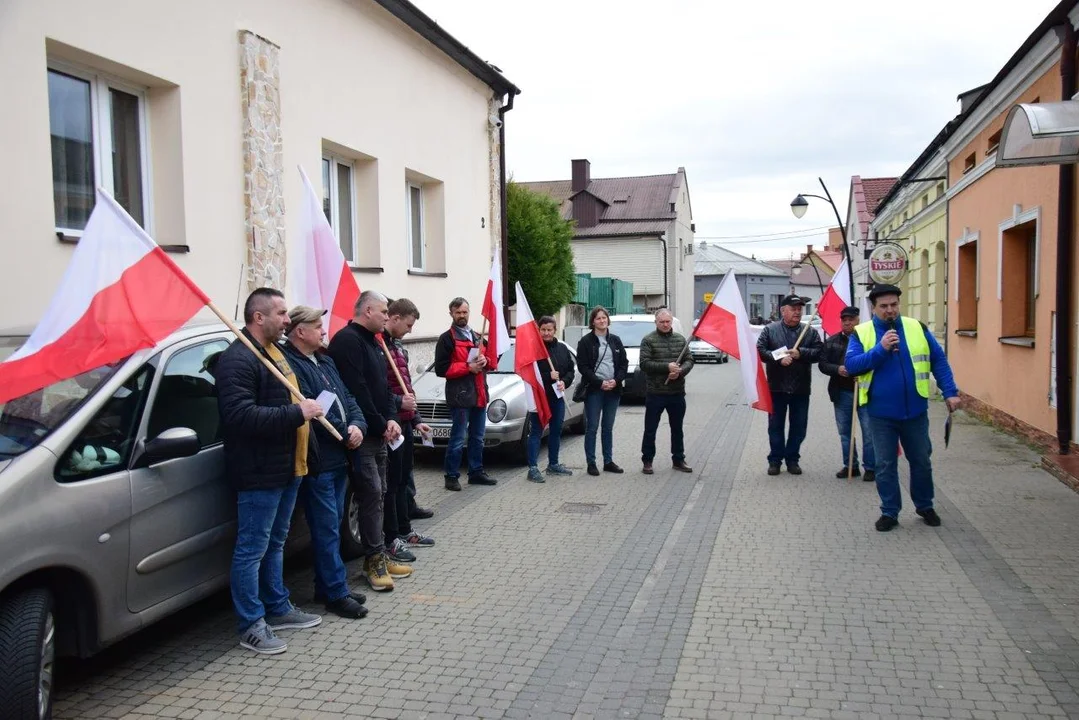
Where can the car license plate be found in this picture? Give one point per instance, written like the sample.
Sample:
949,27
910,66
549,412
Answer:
440,432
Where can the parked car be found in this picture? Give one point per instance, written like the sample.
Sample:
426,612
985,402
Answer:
115,510
701,351
507,421
631,329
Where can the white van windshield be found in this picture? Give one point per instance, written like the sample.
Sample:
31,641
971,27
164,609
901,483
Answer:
631,332
26,421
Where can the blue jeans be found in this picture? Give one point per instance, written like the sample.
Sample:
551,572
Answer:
914,434
844,411
262,521
654,405
471,422
324,506
790,448
554,438
598,402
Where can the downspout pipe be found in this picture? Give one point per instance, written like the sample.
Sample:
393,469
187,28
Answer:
1065,257
504,244
666,293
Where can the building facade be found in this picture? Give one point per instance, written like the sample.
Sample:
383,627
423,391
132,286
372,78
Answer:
637,229
196,116
862,201
761,285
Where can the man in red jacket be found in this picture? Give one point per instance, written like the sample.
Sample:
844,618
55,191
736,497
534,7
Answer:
399,535
459,358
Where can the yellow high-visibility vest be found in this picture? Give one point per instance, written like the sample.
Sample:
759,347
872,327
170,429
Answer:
917,347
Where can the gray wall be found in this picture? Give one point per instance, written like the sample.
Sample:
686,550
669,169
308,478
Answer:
767,286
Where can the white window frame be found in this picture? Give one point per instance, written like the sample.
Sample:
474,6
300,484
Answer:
421,266
101,134
335,202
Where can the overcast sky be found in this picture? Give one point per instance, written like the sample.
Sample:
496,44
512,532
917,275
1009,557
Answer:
755,101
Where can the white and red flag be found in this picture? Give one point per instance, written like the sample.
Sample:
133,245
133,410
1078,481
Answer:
498,335
529,351
725,325
836,297
323,277
120,293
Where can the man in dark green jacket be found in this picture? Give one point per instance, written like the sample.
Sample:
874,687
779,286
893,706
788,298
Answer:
665,362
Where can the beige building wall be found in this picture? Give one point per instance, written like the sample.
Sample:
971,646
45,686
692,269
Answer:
352,78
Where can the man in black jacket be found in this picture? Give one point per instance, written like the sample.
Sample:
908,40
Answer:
362,364
789,380
841,392
323,492
557,375
459,358
266,443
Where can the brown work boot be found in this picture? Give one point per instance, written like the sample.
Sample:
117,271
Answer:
681,466
376,574
396,569
647,469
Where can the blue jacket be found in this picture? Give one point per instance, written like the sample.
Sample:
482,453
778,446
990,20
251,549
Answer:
313,379
893,394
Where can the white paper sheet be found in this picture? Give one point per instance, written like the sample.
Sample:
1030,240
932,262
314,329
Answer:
427,440
780,353
473,354
557,391
397,443
325,400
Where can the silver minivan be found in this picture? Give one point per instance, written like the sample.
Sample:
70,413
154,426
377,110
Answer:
114,507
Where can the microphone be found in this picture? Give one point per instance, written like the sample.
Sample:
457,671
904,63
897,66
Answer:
891,326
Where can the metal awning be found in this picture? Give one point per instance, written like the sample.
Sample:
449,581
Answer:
1040,134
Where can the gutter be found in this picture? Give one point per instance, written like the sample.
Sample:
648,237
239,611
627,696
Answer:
1065,289
666,291
504,244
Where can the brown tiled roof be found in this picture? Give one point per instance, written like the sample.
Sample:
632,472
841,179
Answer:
866,193
630,201
803,275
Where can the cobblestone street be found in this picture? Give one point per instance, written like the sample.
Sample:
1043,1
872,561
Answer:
725,593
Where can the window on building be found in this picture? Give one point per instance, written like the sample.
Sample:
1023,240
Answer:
1018,280
925,201
416,246
994,142
940,191
774,309
967,285
756,306
968,163
338,202
98,134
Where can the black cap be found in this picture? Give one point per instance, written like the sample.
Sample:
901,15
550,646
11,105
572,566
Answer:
879,290
849,311
792,300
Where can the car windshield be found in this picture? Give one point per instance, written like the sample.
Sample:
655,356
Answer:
631,332
26,421
505,363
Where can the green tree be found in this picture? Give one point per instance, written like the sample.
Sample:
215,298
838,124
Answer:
540,255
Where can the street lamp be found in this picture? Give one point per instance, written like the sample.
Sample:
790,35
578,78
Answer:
799,205
800,265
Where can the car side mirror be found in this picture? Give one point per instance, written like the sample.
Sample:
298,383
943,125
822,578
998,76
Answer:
170,444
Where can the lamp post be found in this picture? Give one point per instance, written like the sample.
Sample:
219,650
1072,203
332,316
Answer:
800,265
799,205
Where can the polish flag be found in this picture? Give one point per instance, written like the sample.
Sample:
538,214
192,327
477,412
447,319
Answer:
725,325
835,298
530,350
498,335
120,293
323,278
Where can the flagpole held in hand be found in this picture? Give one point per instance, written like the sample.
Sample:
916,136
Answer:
853,436
393,363
681,356
296,394
805,330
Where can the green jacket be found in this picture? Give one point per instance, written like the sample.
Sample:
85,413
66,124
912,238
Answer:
657,351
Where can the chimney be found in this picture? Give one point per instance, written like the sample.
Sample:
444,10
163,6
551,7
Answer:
582,175
809,248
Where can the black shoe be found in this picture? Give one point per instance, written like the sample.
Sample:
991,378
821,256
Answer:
647,469
481,478
794,468
682,467
593,469
773,468
452,483
869,476
418,513
844,473
612,468
346,607
885,523
357,596
930,516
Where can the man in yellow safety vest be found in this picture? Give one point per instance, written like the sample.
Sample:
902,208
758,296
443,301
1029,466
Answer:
893,357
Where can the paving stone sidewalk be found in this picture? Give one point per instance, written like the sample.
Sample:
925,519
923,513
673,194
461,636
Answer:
725,593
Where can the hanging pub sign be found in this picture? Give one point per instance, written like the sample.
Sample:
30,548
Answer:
887,264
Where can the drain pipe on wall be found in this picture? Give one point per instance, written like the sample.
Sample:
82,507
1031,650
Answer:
666,292
1065,257
504,244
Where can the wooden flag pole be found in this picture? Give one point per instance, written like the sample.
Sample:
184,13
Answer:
296,394
681,357
853,436
805,330
393,364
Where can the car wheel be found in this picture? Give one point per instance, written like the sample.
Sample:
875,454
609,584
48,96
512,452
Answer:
27,655
351,545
